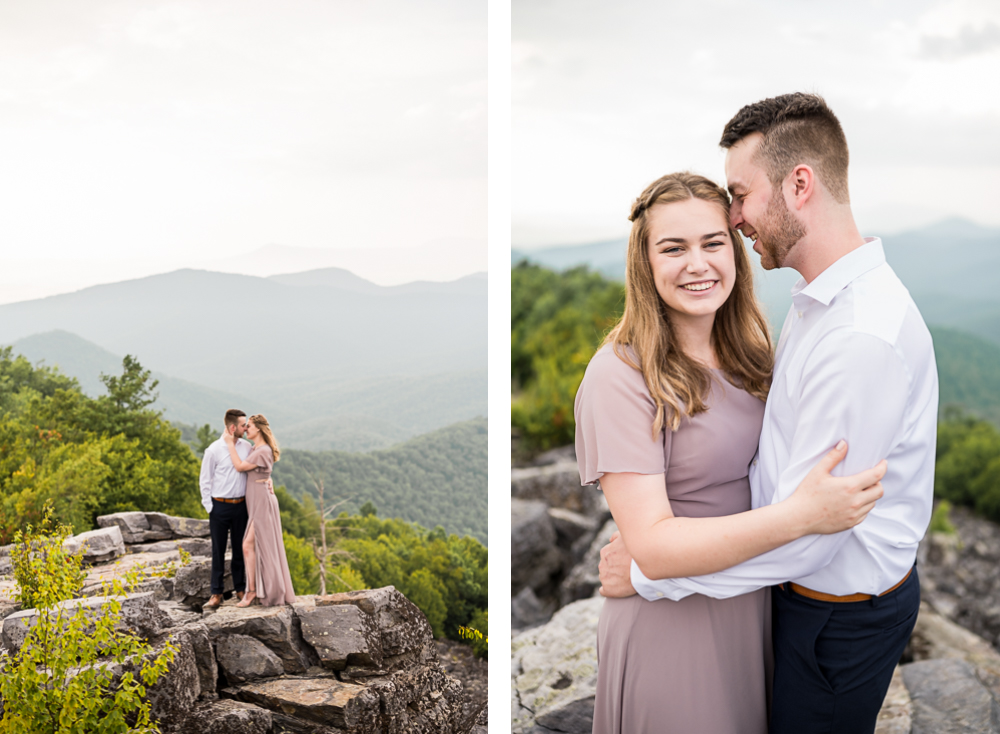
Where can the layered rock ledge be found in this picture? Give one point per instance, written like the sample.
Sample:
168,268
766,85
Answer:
355,663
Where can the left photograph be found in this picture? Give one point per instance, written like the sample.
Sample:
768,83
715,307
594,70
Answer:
243,367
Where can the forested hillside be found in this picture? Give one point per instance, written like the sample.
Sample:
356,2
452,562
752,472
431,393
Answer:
559,319
89,456
435,479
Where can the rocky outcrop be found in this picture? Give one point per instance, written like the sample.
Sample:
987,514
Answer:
554,672
948,680
97,546
554,523
145,527
360,662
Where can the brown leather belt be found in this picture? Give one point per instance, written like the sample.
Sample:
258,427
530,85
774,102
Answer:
234,501
820,596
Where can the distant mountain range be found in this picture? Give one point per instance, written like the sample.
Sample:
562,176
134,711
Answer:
335,361
952,269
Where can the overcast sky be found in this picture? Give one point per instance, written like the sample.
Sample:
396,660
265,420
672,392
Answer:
609,96
194,131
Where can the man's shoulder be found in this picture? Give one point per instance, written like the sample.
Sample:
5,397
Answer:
881,304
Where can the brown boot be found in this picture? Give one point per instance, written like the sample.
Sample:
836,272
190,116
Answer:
214,602
239,595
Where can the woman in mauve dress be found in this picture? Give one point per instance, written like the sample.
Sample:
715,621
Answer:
668,418
268,579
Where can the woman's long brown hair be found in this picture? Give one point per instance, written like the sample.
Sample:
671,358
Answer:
740,337
265,430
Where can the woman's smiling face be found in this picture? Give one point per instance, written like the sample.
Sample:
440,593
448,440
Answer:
691,254
252,430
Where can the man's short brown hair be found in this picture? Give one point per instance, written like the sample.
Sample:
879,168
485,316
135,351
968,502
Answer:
233,417
797,128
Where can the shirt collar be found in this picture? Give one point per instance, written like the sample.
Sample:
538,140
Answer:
842,273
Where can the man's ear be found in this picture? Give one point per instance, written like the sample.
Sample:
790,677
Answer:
800,185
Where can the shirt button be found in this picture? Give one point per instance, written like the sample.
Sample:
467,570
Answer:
659,594
755,462
800,314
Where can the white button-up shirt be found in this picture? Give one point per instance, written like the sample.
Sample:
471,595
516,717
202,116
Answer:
854,361
219,477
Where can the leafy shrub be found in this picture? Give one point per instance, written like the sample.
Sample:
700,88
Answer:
75,672
941,520
43,569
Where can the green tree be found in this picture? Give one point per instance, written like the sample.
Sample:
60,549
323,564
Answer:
557,322
206,437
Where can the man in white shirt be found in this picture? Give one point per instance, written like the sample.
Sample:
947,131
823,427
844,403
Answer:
854,361
223,494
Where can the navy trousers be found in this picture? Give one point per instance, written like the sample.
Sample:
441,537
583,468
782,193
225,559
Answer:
223,520
833,661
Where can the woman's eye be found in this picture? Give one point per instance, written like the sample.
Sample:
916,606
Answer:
715,245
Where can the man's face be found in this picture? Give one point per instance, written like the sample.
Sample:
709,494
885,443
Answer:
241,427
759,211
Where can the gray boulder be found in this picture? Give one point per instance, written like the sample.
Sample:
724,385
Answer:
526,610
275,627
403,628
133,525
558,485
139,614
204,657
188,527
949,698
194,546
173,696
341,634
554,671
97,546
243,658
193,581
534,557
228,717
584,580
319,700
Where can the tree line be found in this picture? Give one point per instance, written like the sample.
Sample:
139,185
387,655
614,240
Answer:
558,319
115,453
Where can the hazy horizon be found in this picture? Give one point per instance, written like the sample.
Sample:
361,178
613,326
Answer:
139,138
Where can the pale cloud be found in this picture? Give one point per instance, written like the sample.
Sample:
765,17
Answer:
204,130
605,98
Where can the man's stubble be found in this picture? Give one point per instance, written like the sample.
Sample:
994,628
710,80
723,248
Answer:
778,233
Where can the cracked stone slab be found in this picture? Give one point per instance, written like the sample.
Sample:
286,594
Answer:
403,627
275,627
320,700
341,634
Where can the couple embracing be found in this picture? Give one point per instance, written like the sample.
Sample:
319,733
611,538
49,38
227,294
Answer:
237,492
751,590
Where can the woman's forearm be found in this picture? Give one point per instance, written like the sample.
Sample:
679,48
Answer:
675,547
238,463
665,546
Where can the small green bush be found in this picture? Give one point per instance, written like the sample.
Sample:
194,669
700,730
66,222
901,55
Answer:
76,672
941,519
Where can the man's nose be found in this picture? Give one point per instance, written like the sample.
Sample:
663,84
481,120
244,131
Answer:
736,215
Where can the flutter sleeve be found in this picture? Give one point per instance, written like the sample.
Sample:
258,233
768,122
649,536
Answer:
614,421
263,458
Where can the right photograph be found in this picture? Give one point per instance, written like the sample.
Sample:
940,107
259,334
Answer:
755,359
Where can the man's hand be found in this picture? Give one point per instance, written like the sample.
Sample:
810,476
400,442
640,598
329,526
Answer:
270,485
616,566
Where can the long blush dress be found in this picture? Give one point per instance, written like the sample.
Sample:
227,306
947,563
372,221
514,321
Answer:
699,664
274,582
